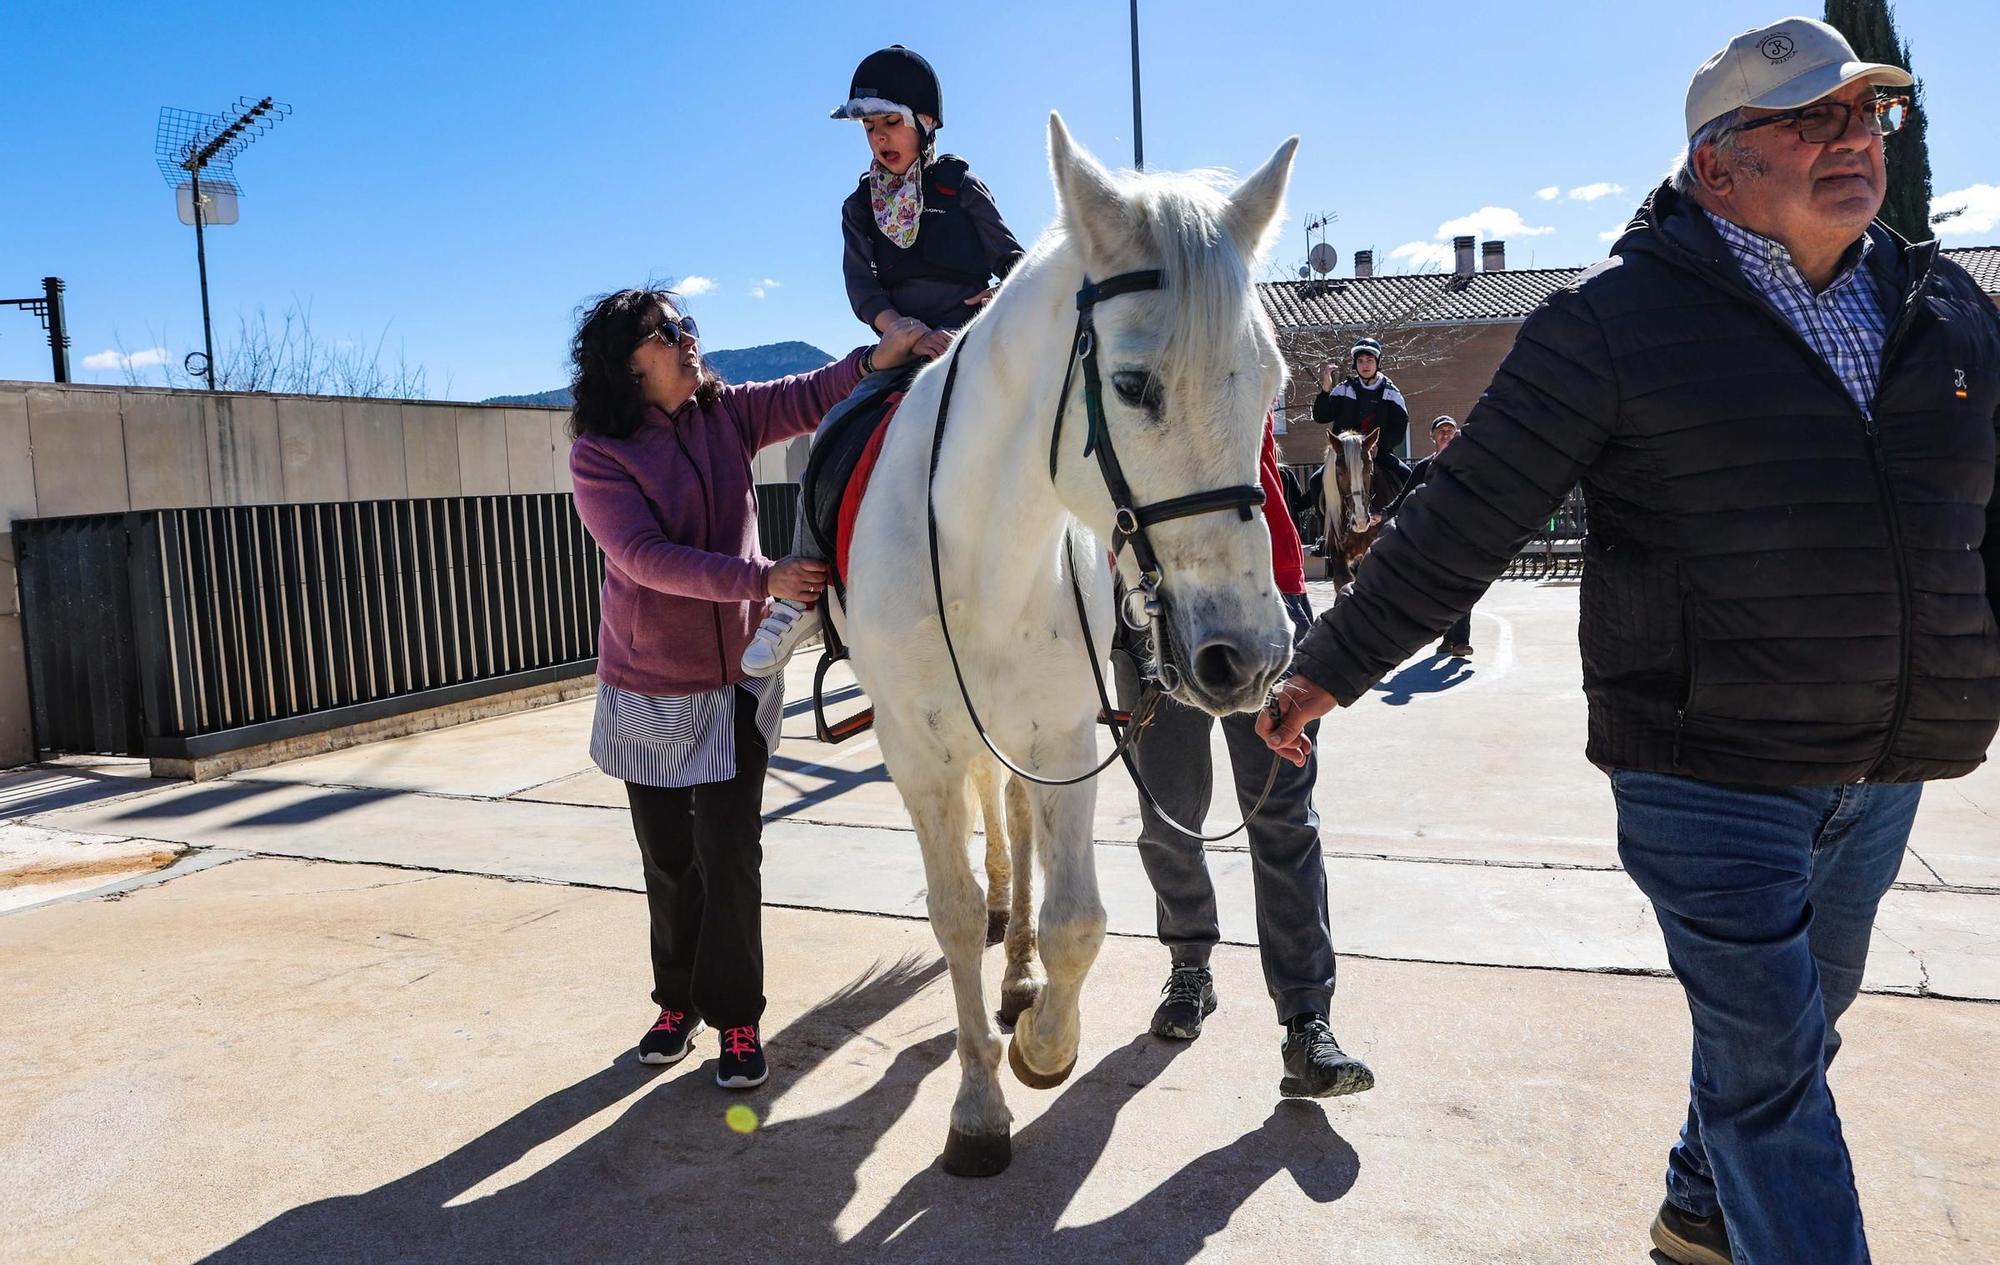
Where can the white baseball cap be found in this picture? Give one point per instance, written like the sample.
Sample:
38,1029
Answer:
1790,63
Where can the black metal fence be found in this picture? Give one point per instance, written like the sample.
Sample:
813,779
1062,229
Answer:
190,631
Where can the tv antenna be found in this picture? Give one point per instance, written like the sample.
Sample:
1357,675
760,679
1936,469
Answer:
197,154
1321,257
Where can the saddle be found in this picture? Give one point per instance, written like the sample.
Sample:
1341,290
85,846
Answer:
836,478
843,456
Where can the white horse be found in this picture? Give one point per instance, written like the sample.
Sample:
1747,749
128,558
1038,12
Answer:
1188,370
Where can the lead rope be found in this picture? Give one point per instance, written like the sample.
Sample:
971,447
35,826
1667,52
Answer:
1122,738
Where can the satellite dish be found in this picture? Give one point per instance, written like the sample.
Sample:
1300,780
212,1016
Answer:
1323,258
218,204
1304,272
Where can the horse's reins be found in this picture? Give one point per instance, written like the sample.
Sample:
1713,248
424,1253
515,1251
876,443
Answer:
1130,523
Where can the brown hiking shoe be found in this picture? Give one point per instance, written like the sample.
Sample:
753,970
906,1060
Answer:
1687,1239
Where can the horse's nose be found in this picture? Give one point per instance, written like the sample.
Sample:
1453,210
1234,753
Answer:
1222,669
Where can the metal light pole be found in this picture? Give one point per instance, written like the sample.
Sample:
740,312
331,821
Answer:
188,144
1138,127
50,308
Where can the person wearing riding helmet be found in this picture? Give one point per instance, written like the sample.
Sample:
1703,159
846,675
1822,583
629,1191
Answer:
925,250
1366,401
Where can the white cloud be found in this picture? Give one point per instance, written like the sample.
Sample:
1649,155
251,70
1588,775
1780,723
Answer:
1611,234
1592,192
1491,223
1549,194
1973,211
764,287
1421,255
112,358
693,287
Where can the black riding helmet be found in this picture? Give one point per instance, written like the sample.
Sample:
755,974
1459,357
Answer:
894,80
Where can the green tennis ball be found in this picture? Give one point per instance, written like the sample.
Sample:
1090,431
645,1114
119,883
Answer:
741,1118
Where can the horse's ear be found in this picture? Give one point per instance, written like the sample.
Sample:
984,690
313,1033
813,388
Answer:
1369,443
1092,209
1259,202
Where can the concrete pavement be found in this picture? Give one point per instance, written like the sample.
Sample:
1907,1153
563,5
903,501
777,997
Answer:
371,1006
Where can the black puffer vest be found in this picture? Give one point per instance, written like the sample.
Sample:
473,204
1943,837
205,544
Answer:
1779,588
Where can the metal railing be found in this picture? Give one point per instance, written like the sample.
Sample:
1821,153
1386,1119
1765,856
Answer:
189,631
1556,552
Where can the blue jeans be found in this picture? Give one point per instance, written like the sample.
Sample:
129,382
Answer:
1287,868
1766,899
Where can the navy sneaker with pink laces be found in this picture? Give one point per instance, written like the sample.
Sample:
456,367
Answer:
742,1063
669,1039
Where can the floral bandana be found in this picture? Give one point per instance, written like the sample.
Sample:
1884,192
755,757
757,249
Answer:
898,202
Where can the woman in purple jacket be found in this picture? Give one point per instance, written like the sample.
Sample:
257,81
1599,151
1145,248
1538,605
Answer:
661,462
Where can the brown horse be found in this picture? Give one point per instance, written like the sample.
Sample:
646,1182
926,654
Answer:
1353,519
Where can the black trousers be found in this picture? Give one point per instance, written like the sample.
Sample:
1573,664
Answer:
703,851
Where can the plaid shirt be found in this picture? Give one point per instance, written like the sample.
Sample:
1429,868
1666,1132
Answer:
1844,323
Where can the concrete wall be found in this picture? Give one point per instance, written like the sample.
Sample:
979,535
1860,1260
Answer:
92,450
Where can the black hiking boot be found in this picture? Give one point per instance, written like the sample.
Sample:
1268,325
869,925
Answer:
1188,998
1687,1239
1315,1067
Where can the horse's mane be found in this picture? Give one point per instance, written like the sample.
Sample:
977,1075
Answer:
1180,223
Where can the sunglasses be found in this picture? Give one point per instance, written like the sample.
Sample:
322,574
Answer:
673,329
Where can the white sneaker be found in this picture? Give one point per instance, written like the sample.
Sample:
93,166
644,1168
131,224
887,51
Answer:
778,636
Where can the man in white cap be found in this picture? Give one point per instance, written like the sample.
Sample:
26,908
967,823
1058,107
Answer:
1784,419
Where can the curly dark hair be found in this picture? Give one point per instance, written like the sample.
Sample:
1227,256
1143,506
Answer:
608,401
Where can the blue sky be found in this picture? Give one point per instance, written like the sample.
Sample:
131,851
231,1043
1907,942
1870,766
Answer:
459,178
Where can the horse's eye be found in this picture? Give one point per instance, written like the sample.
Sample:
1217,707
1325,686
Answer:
1136,389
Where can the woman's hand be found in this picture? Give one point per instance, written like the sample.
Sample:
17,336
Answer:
981,299
797,580
900,339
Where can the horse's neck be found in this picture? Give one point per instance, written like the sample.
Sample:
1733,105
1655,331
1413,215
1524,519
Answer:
997,510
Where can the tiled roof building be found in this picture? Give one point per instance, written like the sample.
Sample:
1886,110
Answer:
1451,328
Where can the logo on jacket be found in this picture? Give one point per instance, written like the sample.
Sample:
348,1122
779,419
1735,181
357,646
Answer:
1958,383
1777,48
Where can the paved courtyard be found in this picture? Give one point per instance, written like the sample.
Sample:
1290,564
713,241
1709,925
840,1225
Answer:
378,1005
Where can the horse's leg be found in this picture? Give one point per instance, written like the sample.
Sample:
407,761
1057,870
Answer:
977,1144
1024,980
998,872
1071,927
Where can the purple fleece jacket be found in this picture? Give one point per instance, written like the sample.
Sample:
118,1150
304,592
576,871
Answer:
674,508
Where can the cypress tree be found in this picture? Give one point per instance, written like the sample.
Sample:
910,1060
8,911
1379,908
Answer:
1870,26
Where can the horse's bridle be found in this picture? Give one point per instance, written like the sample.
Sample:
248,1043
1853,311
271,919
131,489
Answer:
1130,522
1358,509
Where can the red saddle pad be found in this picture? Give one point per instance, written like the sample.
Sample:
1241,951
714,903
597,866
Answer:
857,486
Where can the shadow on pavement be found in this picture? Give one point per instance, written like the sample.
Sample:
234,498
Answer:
1433,676
667,1181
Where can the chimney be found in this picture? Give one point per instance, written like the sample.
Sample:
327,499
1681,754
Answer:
1364,263
1494,257
1462,247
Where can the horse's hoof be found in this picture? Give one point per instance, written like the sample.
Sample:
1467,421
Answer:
1012,1002
977,1154
1029,1076
996,926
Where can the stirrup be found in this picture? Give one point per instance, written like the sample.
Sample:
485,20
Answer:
840,731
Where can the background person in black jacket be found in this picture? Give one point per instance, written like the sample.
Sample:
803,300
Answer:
1457,640
1367,402
1783,418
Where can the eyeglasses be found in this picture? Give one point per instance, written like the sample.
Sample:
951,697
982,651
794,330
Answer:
1826,121
673,329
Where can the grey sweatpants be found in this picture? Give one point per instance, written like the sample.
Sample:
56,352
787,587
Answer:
1287,868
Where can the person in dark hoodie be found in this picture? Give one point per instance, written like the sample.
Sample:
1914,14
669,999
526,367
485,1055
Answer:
1783,416
925,249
